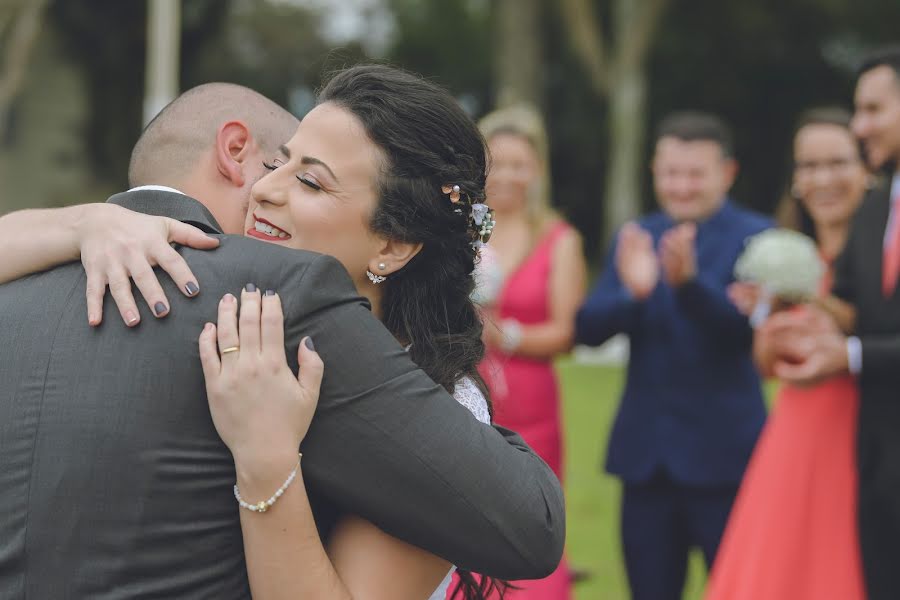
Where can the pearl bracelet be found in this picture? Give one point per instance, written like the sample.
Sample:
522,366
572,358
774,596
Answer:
264,505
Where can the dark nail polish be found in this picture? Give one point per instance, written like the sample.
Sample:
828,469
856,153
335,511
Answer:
309,344
159,309
191,288
250,288
270,292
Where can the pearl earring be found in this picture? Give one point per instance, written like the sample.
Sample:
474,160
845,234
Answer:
382,266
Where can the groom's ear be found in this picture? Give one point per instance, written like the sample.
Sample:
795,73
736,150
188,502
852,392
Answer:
234,144
394,255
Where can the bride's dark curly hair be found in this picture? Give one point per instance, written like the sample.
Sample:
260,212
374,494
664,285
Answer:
426,141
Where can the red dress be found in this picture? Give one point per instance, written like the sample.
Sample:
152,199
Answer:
793,534
525,391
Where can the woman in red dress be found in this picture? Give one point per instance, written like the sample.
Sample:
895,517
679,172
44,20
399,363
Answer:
532,282
792,534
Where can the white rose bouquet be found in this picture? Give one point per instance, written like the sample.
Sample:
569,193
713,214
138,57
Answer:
784,265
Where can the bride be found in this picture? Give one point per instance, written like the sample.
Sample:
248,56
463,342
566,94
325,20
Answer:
387,174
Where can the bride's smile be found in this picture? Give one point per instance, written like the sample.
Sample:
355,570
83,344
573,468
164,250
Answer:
267,231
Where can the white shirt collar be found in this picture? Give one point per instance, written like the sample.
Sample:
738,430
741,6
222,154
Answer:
158,188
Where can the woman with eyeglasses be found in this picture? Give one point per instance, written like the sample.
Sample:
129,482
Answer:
793,534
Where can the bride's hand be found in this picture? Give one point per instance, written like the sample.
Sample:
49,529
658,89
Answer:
118,245
259,407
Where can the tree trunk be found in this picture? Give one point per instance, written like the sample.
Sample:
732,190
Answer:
619,75
519,55
633,22
627,115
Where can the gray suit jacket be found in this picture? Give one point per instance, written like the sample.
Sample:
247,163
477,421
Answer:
115,484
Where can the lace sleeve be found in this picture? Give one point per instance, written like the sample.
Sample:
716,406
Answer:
468,394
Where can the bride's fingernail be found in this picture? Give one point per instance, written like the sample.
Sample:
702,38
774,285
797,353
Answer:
309,344
131,318
270,292
227,298
250,288
159,309
191,288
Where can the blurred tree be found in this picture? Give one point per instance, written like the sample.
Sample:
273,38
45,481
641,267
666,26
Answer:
275,48
449,41
518,52
107,38
618,73
20,24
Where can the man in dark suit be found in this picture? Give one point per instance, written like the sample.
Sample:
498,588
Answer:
866,276
692,407
114,483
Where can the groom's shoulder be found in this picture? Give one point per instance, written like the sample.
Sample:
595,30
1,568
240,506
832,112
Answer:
268,266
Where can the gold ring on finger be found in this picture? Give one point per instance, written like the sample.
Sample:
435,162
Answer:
231,349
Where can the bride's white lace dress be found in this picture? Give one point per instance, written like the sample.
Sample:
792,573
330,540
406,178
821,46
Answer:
467,394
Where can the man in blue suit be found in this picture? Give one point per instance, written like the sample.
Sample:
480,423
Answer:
692,407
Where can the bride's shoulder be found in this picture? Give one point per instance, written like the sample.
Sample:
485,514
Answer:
467,393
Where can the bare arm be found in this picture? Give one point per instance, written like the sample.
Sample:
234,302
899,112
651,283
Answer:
566,289
361,561
285,557
36,240
114,244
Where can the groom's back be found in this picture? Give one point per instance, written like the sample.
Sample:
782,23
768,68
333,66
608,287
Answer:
113,481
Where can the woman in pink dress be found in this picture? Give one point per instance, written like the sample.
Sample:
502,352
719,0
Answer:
792,534
537,273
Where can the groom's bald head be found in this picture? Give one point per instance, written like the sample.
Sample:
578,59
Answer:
209,143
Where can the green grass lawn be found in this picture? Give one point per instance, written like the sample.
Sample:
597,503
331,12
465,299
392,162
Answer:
590,397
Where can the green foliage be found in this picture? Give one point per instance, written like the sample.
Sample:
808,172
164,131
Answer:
275,49
107,38
450,41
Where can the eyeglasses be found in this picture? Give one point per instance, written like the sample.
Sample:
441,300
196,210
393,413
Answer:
834,165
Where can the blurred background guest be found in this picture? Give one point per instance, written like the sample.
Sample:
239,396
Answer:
793,532
537,268
692,406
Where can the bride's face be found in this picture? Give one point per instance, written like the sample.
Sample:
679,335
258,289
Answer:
321,191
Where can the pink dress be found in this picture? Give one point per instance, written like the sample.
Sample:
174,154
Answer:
793,534
525,391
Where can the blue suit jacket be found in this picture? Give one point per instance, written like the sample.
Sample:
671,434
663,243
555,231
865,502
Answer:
692,404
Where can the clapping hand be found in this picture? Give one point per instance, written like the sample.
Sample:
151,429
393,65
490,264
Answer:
677,254
636,261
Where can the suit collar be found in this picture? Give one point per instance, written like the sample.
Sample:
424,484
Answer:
711,222
172,204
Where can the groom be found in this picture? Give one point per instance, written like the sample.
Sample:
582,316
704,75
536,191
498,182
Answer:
114,482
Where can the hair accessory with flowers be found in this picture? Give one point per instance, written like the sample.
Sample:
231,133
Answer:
480,215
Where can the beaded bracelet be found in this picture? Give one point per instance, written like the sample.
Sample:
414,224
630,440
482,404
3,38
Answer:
512,335
265,505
